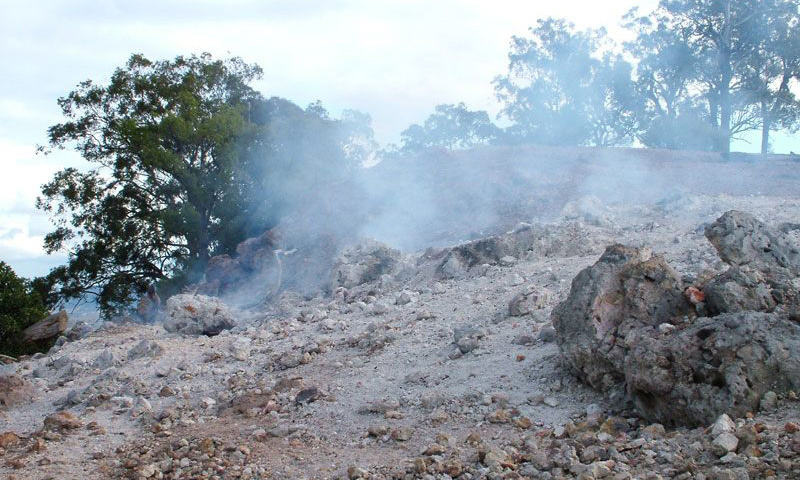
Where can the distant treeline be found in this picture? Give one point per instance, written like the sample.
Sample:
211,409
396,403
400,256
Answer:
698,74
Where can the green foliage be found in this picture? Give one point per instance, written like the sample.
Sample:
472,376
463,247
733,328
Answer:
20,307
453,127
164,139
188,161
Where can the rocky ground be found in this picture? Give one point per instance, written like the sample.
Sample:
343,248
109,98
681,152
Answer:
444,367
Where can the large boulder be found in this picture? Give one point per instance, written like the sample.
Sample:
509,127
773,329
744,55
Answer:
197,315
628,288
741,239
716,365
626,327
765,264
364,263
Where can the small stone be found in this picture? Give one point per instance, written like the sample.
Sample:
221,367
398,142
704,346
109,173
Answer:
473,439
769,401
354,472
402,434
167,391
523,423
434,449
550,401
547,334
9,439
61,421
724,443
308,395
724,424
499,416
404,298
791,427
377,430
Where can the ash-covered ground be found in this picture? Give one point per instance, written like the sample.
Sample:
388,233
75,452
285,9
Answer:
444,365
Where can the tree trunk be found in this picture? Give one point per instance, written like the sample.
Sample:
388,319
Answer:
766,125
726,76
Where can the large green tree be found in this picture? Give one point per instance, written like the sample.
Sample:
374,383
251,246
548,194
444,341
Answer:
187,161
163,140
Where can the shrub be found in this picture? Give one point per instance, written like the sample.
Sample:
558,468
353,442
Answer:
20,307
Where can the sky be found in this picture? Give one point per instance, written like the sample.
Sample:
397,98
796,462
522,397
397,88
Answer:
394,59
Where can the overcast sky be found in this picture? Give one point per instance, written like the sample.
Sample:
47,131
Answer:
394,59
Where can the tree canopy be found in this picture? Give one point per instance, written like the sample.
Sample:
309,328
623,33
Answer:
454,127
184,159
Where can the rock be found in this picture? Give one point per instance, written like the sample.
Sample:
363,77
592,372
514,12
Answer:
149,306
167,391
404,298
769,401
724,443
550,401
308,395
528,300
197,315
724,364
689,375
61,421
547,334
104,360
145,348
14,390
588,209
46,329
9,439
434,449
467,338
499,416
740,239
724,424
402,434
364,263
487,251
626,289
240,349
255,275
354,472
739,289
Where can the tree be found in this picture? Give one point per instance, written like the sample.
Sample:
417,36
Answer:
772,70
164,140
450,126
719,34
20,307
562,89
188,161
667,79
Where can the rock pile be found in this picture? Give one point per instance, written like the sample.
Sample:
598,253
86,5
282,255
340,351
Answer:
197,315
253,276
629,326
364,263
